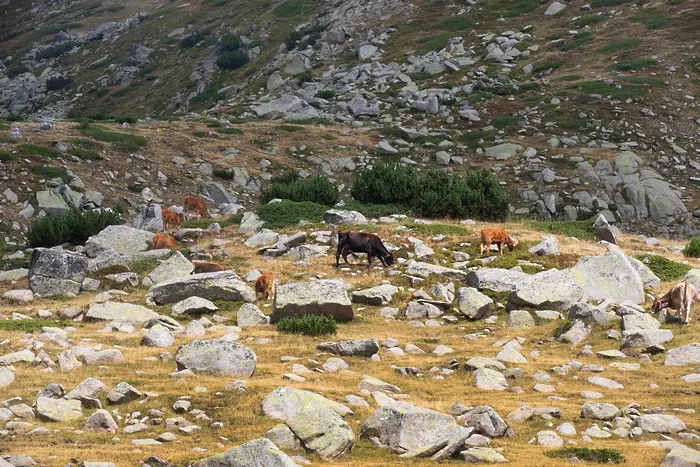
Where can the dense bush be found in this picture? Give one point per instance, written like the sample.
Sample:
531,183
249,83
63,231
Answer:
307,325
192,39
232,60
433,193
290,213
693,248
317,190
311,35
74,228
58,82
664,268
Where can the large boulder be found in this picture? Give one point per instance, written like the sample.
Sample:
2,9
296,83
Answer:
599,411
52,203
286,402
362,347
101,421
486,421
174,267
218,193
55,272
58,410
250,223
417,268
660,423
120,238
684,355
495,279
158,336
490,380
150,218
472,303
216,358
643,338
609,276
339,217
401,427
221,285
379,295
324,297
323,431
603,230
679,455
111,311
545,296
250,315
256,453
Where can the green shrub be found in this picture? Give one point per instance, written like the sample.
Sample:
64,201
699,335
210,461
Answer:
31,325
7,156
122,141
693,248
316,189
312,34
85,154
544,66
504,122
587,20
522,7
600,456
230,131
74,228
52,172
619,46
583,230
652,19
386,183
290,8
192,39
634,64
58,82
563,328
35,150
141,266
325,94
290,213
602,3
455,23
646,80
576,42
664,268
233,60
204,223
307,325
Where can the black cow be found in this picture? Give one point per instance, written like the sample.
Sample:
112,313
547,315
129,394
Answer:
360,242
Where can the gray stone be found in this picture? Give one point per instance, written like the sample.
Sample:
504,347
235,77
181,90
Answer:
366,51
546,296
323,431
150,218
193,305
483,455
101,421
174,267
56,272
490,380
547,247
685,355
362,347
256,453
221,285
472,303
120,238
111,311
7,377
486,421
216,358
645,337
250,223
52,203
338,217
577,333
250,315
599,411
58,410
90,388
660,423
375,296
554,8
603,230
285,403
324,297
606,383
265,237
417,268
608,276
503,151
520,319
158,336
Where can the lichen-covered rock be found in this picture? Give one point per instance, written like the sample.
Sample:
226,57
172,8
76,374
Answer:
362,347
120,238
324,297
56,272
216,358
375,296
472,303
221,285
256,453
286,402
111,311
174,267
323,431
58,410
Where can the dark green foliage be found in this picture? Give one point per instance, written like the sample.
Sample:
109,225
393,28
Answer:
233,60
504,122
141,266
438,229
316,189
52,172
204,223
664,268
309,35
599,456
522,7
455,23
226,174
634,64
602,3
646,80
85,154
570,78
35,150
583,230
230,43
192,39
576,42
7,156
612,90
290,8
307,325
31,325
289,213
543,66
652,19
693,248
305,77
122,141
74,228
58,82
289,128
563,328
55,51
436,42
433,193
619,46
587,20
325,94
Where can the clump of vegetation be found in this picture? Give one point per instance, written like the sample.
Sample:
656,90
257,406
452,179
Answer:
652,19
85,154
602,3
374,211
576,42
505,122
544,66
74,228
325,94
123,142
204,223
141,266
7,156
634,64
583,230
192,39
52,172
456,23
615,91
438,229
231,56
36,150
563,328
692,250
58,82
433,193
290,8
619,46
599,456
587,20
664,268
316,189
522,7
309,35
290,213
307,325
31,325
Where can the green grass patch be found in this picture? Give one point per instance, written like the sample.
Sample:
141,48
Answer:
645,80
430,43
583,230
543,66
652,19
603,3
587,20
7,156
375,211
634,64
619,46
612,90
599,456
570,78
438,229
455,23
124,142
204,223
572,124
289,128
505,122
521,8
230,131
664,268
52,172
290,213
31,325
36,150
85,154
141,266
693,248
473,139
307,325
576,42
290,8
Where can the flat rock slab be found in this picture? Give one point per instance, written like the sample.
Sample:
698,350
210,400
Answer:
55,272
216,358
660,423
375,296
684,355
112,311
256,453
221,285
324,297
417,268
362,347
174,267
120,238
324,432
287,402
490,380
58,410
606,383
472,303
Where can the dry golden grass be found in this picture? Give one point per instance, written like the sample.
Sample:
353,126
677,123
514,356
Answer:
241,412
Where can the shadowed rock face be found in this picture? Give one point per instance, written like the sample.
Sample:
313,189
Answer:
54,272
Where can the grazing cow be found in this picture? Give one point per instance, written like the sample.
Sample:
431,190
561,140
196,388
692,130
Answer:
360,242
161,241
192,203
265,285
495,236
170,219
681,298
203,266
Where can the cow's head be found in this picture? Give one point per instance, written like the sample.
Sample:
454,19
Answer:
389,259
657,306
510,243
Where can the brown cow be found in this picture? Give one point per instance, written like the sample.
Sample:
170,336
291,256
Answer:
265,285
163,241
170,219
192,203
495,236
203,266
681,298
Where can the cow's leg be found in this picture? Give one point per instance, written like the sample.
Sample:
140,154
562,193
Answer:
369,260
500,248
481,249
346,250
337,256
381,259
